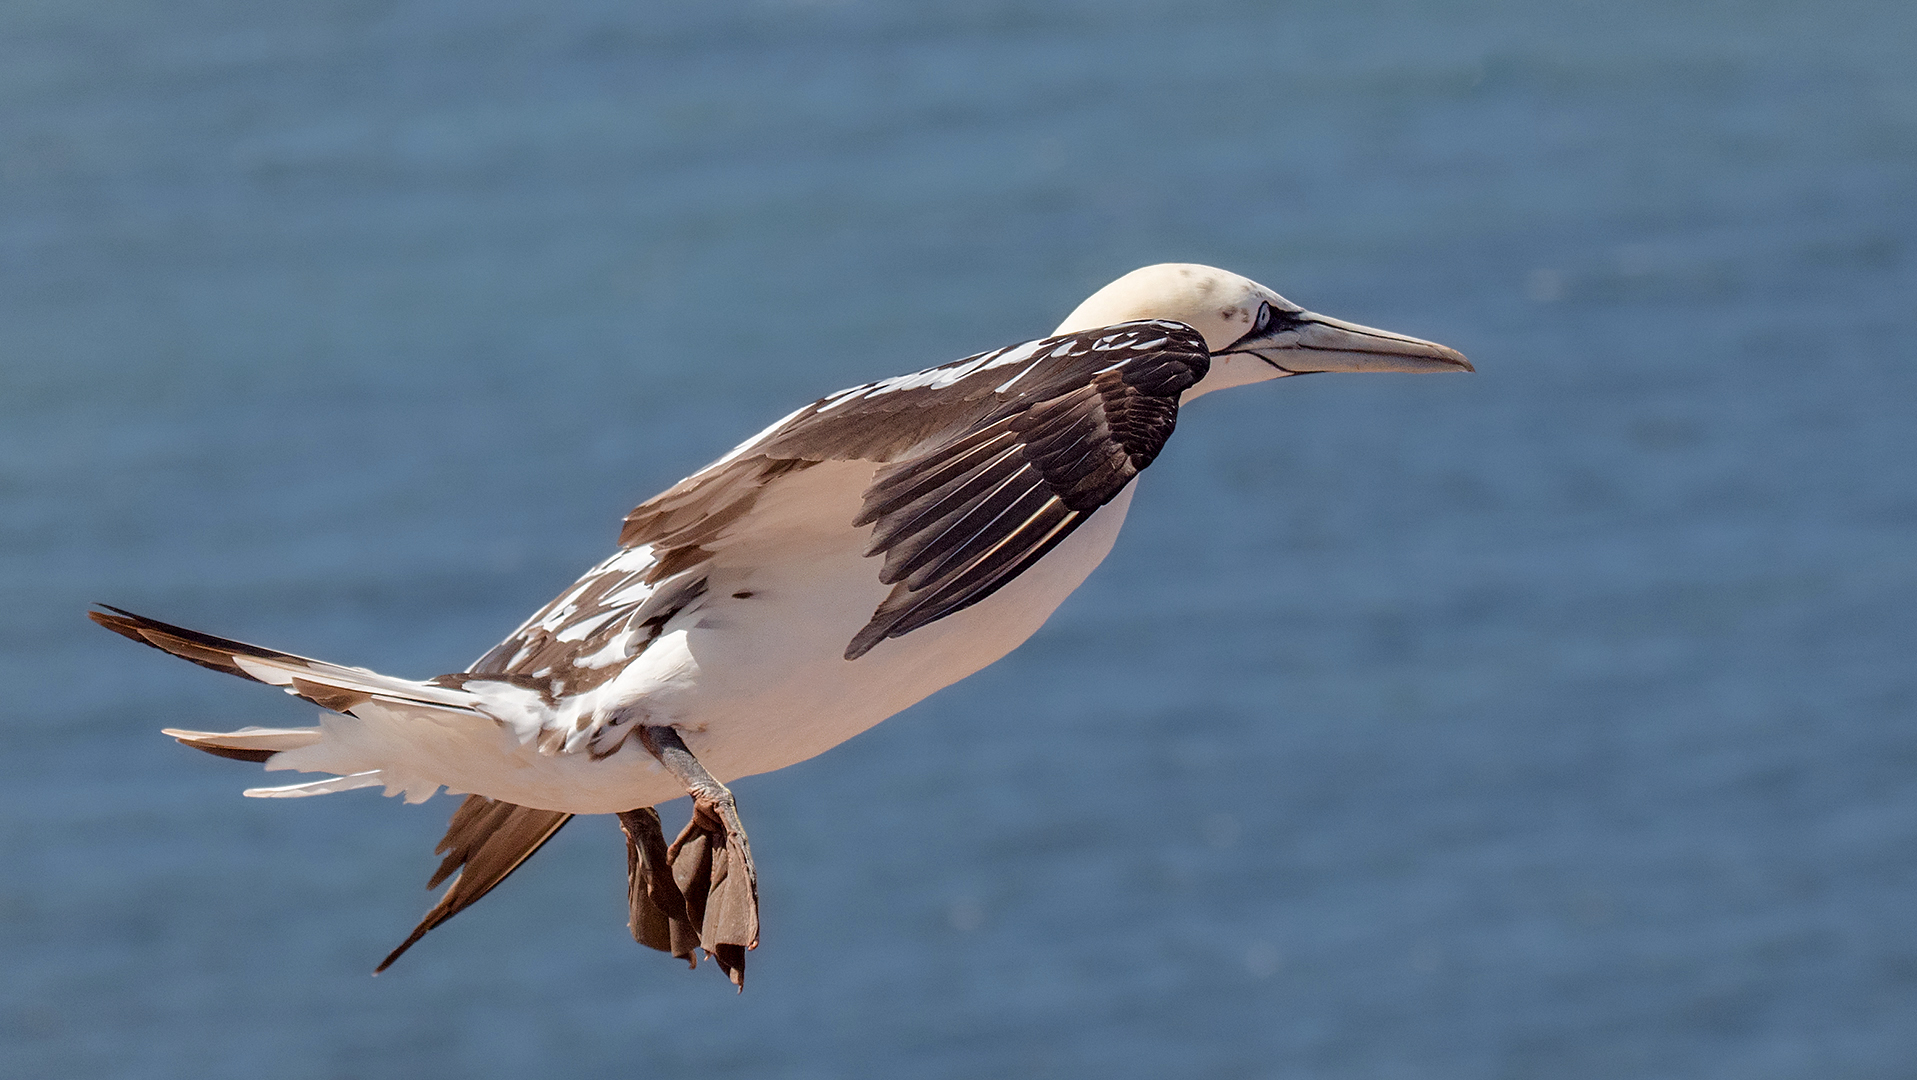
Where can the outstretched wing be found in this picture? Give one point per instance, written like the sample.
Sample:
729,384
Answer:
959,520
990,462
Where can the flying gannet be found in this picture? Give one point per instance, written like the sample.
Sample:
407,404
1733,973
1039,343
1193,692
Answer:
854,557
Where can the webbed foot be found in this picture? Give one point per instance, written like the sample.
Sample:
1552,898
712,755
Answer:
702,892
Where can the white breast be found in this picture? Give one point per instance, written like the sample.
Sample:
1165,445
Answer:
773,687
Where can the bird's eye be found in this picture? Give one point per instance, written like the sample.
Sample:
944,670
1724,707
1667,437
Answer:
1263,322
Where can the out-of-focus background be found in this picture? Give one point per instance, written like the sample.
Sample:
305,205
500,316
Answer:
1558,721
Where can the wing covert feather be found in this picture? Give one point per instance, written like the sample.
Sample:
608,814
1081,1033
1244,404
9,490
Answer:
960,519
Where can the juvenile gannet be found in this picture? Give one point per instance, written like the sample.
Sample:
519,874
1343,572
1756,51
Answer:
860,553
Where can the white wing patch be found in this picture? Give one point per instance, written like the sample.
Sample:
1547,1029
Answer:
946,375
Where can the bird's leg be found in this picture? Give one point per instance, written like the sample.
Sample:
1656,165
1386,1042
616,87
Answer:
711,864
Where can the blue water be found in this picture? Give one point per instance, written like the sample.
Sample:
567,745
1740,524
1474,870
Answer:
1559,721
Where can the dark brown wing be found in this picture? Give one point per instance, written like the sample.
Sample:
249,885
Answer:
485,842
613,611
960,520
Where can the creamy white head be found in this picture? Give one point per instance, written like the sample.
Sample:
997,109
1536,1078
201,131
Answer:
1253,333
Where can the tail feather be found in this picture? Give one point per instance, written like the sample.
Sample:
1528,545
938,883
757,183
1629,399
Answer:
485,842
327,786
330,686
248,743
381,748
202,649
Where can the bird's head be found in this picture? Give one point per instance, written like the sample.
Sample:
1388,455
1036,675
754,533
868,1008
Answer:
1253,333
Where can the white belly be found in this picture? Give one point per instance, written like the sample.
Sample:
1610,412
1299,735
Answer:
775,689
758,682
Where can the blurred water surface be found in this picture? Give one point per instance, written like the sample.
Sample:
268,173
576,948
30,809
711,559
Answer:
1556,721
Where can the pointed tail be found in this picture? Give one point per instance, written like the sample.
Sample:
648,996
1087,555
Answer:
486,840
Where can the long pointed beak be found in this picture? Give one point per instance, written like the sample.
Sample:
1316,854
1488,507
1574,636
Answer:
1307,341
